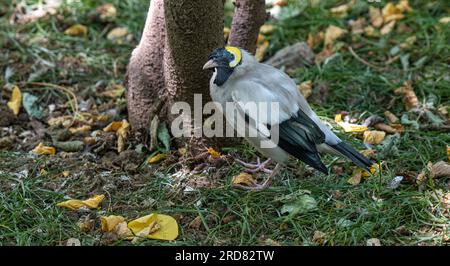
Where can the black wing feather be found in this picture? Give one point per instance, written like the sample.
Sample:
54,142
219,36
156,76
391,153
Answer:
299,136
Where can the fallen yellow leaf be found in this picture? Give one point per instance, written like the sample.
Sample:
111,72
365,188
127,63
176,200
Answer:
340,11
91,203
215,154
226,32
403,6
448,152
305,88
65,121
315,39
110,222
16,100
76,30
157,158
155,226
391,117
261,50
374,136
115,92
113,126
122,134
82,129
387,28
348,127
376,19
370,31
119,35
333,33
244,179
356,177
44,150
391,12
267,29
374,169
444,20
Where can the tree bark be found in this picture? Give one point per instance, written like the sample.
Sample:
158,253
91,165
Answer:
194,30
249,16
146,92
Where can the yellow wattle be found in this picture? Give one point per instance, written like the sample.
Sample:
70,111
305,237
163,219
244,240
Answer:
237,55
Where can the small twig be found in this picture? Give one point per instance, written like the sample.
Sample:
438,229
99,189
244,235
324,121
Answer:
69,94
350,49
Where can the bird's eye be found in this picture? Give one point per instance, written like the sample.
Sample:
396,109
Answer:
236,53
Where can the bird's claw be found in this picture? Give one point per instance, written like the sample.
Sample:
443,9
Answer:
253,168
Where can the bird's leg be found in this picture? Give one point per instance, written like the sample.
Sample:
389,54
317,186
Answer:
253,168
265,184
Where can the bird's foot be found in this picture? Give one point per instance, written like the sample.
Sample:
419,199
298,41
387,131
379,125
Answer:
265,184
257,167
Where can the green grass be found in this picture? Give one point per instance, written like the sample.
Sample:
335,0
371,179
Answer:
348,215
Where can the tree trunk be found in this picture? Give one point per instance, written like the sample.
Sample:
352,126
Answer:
145,73
249,16
194,30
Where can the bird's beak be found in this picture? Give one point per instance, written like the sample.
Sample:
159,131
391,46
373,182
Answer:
210,64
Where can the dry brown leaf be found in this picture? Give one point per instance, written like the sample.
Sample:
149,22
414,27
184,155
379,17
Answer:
107,12
82,129
387,28
76,30
376,19
374,136
409,96
315,39
399,127
16,100
244,179
122,134
440,169
385,128
196,223
340,11
319,237
305,88
422,177
65,121
373,242
89,140
391,117
332,34
370,31
357,26
368,153
44,150
281,3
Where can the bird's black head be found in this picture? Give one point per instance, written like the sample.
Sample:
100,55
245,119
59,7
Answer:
224,60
